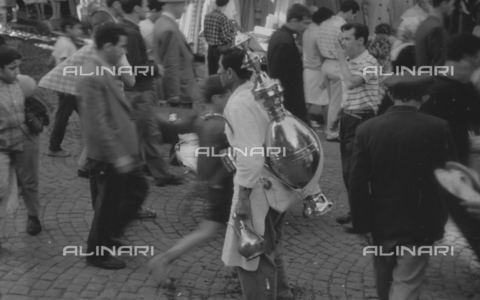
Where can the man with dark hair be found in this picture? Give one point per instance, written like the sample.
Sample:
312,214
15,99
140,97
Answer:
431,37
312,63
360,92
329,34
142,94
393,194
263,277
18,144
112,148
220,34
285,62
455,99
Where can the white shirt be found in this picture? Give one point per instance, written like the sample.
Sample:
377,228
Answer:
64,47
146,29
415,12
312,58
329,33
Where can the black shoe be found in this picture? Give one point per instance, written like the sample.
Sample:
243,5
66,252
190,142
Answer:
111,263
33,226
345,219
83,174
172,180
145,213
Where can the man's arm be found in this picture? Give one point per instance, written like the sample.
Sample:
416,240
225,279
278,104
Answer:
359,191
171,60
351,80
95,105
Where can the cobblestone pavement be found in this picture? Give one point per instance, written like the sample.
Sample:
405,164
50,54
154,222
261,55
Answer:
323,261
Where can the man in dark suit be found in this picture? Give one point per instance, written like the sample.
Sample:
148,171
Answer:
455,99
285,62
112,147
394,196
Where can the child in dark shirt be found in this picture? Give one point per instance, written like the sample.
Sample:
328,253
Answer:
212,173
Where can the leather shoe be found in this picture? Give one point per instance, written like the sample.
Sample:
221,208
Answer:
110,263
345,219
33,226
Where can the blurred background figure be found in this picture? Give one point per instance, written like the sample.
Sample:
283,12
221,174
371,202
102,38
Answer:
285,62
315,92
211,173
220,34
39,6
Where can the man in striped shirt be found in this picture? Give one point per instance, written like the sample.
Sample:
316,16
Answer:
329,34
360,92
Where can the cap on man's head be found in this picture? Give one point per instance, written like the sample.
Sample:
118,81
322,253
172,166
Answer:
408,86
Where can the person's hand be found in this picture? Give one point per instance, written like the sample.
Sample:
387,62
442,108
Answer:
476,31
124,164
473,208
243,210
161,70
368,238
174,100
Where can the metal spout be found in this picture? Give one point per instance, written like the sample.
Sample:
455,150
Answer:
316,205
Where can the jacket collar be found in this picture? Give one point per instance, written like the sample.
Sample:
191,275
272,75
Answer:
170,16
401,109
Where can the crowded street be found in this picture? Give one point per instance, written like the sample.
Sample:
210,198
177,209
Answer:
240,149
323,262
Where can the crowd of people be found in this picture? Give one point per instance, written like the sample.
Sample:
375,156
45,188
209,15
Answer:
393,130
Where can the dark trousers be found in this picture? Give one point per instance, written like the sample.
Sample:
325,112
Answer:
115,198
348,127
213,58
67,103
270,280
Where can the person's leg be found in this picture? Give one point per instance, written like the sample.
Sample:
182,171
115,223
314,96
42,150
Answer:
135,191
408,276
42,10
283,289
212,62
66,105
27,165
107,188
4,188
334,89
383,268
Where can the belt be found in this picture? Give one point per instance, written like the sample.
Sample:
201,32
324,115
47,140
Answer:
358,113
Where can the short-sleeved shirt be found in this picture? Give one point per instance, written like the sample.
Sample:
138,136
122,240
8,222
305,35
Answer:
64,48
219,30
364,96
